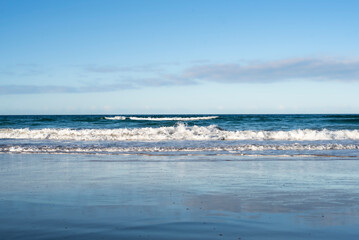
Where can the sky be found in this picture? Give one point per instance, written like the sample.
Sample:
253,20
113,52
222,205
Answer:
179,56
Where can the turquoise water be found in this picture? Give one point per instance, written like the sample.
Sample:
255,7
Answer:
270,122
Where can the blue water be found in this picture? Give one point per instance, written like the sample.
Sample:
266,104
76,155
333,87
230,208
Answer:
228,122
240,135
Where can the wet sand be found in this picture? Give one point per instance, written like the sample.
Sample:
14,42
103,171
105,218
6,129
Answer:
137,197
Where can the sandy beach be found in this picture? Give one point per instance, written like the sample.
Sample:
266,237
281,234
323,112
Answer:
154,197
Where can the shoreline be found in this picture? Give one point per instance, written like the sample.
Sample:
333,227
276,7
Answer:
74,196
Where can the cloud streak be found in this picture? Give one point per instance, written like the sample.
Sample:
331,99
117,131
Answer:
285,70
297,69
50,89
147,68
115,69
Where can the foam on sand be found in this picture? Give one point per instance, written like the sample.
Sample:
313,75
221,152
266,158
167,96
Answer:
113,150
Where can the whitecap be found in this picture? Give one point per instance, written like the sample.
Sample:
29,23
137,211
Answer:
178,132
116,118
172,118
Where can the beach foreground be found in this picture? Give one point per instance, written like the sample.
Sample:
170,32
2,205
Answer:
63,196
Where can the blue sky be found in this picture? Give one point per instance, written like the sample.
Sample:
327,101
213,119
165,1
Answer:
125,57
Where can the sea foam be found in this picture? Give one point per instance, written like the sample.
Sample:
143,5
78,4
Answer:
116,118
162,118
238,148
178,132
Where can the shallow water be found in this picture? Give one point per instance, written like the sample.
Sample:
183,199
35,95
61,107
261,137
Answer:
47,196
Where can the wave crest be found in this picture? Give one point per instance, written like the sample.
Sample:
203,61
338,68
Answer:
162,118
179,132
116,118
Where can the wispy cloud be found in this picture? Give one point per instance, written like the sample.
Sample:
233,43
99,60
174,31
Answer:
284,70
116,69
21,69
98,68
35,89
297,69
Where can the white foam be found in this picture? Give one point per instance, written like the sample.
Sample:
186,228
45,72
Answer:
229,149
172,118
162,119
116,118
179,132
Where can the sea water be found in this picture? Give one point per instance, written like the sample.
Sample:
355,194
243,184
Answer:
181,135
179,177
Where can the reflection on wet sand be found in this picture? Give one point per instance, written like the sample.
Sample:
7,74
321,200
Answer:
71,196
323,208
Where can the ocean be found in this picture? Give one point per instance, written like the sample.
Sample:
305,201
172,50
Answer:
259,177
223,136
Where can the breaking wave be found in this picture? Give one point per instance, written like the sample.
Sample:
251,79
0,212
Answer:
162,118
116,118
179,132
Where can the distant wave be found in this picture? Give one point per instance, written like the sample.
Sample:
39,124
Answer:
116,118
173,118
179,132
229,149
162,118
